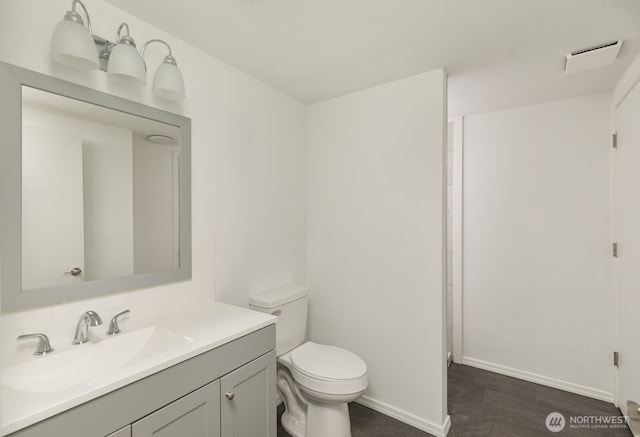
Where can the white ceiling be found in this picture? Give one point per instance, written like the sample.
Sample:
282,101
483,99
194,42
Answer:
498,53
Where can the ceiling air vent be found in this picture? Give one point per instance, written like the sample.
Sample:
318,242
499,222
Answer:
592,58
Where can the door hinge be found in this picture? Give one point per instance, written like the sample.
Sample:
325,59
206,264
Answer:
614,140
616,358
615,249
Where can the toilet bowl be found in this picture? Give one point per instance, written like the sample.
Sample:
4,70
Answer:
316,381
324,379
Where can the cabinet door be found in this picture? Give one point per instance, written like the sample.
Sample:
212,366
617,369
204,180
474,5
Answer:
195,415
248,407
124,432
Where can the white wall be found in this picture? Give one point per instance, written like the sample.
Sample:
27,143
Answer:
376,240
108,206
248,168
155,203
537,299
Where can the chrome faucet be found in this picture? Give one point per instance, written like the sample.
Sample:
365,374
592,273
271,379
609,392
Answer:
89,318
113,325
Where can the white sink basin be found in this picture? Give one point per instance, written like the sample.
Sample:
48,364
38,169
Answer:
84,364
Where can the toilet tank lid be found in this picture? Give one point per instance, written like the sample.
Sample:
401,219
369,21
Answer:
278,296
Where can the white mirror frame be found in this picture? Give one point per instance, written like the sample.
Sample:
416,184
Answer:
12,79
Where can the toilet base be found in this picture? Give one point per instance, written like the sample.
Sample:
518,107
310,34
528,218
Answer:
293,426
328,420
324,420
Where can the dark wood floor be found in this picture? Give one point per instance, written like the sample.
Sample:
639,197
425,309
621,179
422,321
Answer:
366,422
485,404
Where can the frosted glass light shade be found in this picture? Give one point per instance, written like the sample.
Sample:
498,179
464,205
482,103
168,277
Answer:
73,46
126,66
168,82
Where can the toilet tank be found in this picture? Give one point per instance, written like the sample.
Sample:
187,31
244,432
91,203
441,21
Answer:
289,303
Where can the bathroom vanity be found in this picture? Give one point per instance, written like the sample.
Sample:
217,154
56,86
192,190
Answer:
209,373
219,383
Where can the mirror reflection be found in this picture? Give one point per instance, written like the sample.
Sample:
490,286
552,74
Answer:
100,192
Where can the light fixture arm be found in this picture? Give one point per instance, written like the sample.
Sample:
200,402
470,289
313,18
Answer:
168,58
86,13
126,38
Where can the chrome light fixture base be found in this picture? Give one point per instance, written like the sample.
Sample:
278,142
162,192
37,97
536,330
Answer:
103,46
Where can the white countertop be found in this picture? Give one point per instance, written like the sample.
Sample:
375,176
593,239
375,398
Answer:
208,329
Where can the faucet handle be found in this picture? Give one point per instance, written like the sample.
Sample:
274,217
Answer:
113,325
44,347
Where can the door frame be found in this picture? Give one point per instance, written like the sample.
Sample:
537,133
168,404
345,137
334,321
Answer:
627,83
458,255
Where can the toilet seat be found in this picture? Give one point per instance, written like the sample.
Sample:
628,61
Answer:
327,369
326,362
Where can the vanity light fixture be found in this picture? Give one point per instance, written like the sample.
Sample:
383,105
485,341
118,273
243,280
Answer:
167,82
125,64
75,46
72,44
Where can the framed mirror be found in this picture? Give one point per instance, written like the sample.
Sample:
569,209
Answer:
95,192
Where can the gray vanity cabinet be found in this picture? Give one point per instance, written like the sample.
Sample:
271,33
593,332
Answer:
240,404
229,391
195,415
247,400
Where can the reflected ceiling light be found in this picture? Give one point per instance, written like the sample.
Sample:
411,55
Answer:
167,82
76,46
72,44
125,64
160,139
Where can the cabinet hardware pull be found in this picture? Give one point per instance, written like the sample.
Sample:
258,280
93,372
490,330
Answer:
230,395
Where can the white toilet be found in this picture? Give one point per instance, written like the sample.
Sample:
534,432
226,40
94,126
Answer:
316,381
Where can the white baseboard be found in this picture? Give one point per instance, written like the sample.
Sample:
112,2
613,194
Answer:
539,379
438,430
